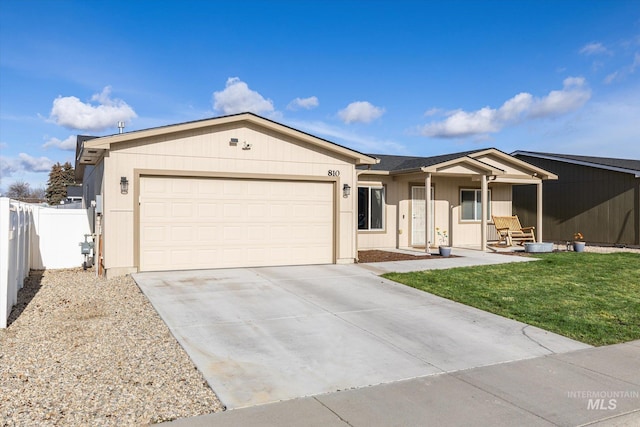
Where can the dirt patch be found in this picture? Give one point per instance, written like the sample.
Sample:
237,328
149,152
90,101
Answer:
365,257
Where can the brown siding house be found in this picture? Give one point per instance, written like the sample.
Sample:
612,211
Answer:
599,197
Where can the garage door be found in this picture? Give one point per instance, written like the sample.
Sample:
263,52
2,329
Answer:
194,223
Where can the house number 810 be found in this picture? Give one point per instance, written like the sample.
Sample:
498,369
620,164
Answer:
334,173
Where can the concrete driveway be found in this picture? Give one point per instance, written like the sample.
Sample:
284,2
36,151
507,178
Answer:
262,335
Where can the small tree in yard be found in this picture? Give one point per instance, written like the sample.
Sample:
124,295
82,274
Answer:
59,177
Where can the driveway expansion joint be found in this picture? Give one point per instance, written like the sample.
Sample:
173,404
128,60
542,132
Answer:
332,411
524,332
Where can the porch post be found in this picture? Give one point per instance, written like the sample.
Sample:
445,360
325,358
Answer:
483,217
427,212
539,212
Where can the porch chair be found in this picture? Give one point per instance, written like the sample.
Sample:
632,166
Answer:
510,231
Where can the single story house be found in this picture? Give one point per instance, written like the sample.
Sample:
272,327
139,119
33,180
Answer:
74,194
242,190
596,196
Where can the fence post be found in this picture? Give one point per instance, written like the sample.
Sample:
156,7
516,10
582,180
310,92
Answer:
4,261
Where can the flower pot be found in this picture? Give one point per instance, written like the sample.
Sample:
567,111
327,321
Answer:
445,251
579,246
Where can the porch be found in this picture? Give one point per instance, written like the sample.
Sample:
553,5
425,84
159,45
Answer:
465,190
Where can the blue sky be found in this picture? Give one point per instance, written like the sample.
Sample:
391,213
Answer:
391,77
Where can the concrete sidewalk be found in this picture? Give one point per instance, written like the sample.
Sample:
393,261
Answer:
463,258
595,386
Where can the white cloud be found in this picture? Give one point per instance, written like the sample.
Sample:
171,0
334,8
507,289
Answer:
461,123
622,73
595,49
432,112
72,113
33,164
513,109
607,126
306,103
360,111
68,144
573,95
611,77
523,106
238,98
7,168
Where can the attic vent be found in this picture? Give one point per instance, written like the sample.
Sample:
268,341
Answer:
92,151
233,141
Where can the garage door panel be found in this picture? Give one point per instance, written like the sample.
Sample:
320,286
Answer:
207,210
208,233
153,234
257,234
182,234
183,210
190,223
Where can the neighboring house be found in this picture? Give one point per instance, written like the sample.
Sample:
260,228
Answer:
596,196
243,190
74,194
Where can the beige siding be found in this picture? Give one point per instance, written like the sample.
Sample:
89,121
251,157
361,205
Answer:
208,151
509,167
387,237
446,210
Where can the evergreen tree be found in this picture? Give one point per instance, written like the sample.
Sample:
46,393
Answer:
59,177
69,174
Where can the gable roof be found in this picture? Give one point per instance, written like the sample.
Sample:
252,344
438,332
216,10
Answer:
408,164
106,142
617,165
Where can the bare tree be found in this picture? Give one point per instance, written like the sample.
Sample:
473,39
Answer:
19,190
22,191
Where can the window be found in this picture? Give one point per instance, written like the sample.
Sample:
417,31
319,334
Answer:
370,208
471,205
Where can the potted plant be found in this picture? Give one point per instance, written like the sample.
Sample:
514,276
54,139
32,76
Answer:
443,247
578,242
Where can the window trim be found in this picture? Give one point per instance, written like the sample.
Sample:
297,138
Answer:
477,196
383,208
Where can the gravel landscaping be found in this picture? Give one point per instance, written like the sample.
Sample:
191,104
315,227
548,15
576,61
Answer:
82,350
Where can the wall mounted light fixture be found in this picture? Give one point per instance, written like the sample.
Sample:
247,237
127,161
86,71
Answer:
346,190
124,185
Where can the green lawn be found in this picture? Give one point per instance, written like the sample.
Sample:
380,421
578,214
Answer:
593,298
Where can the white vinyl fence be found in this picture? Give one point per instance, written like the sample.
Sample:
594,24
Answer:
35,237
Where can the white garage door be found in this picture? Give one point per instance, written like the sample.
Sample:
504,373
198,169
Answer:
194,223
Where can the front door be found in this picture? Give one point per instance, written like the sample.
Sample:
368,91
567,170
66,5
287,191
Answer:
418,215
